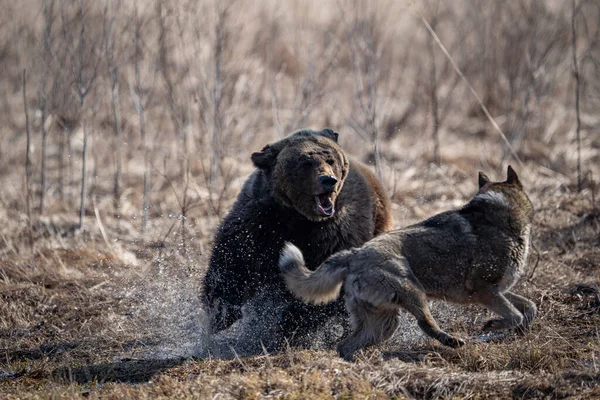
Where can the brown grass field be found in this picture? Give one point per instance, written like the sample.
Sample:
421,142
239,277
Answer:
158,105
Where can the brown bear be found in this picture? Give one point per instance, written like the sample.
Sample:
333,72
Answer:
305,191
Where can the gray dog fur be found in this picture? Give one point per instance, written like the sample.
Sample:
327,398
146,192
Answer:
474,254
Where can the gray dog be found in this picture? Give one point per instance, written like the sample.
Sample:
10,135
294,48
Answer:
474,254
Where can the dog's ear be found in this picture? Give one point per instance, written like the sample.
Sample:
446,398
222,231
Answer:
512,178
330,134
483,179
265,158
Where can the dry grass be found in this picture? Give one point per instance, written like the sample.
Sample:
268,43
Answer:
112,311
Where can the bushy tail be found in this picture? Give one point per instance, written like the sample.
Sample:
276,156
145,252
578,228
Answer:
319,286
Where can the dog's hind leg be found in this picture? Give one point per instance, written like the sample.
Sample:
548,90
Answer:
406,291
498,303
525,306
369,326
415,302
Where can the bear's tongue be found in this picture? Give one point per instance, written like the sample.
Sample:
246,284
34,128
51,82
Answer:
325,204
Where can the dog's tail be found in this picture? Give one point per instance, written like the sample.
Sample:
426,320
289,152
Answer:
319,286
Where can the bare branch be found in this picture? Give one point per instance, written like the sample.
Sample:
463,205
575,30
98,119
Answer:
27,160
83,176
473,92
576,76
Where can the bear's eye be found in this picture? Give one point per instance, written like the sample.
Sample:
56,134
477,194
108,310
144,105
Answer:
306,161
330,162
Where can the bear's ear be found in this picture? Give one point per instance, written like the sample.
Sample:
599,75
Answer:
483,179
512,178
265,158
346,167
330,134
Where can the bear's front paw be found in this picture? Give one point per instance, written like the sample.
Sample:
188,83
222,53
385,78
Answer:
347,353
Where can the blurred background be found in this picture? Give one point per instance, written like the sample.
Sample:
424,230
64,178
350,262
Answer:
165,100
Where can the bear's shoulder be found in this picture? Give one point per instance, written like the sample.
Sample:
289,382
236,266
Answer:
368,193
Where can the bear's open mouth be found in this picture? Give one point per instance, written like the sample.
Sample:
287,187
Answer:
325,205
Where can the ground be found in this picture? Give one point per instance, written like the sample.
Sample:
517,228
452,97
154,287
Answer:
79,319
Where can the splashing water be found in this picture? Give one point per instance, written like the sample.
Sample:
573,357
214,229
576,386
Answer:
173,318
252,334
178,325
174,324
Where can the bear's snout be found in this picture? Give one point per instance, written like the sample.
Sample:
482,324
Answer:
328,182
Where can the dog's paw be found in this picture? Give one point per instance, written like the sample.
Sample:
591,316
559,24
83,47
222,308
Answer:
453,342
494,325
522,329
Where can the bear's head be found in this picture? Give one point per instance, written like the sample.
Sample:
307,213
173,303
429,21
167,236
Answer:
305,171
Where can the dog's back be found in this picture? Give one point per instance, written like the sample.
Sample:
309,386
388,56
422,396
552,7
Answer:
485,243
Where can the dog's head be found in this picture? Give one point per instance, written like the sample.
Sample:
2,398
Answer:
509,193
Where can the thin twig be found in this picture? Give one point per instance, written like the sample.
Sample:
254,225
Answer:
27,160
577,89
43,179
434,102
275,106
100,224
473,92
113,73
83,175
593,189
537,261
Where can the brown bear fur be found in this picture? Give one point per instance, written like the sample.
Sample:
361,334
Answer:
281,202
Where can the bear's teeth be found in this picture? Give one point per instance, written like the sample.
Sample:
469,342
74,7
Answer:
325,204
